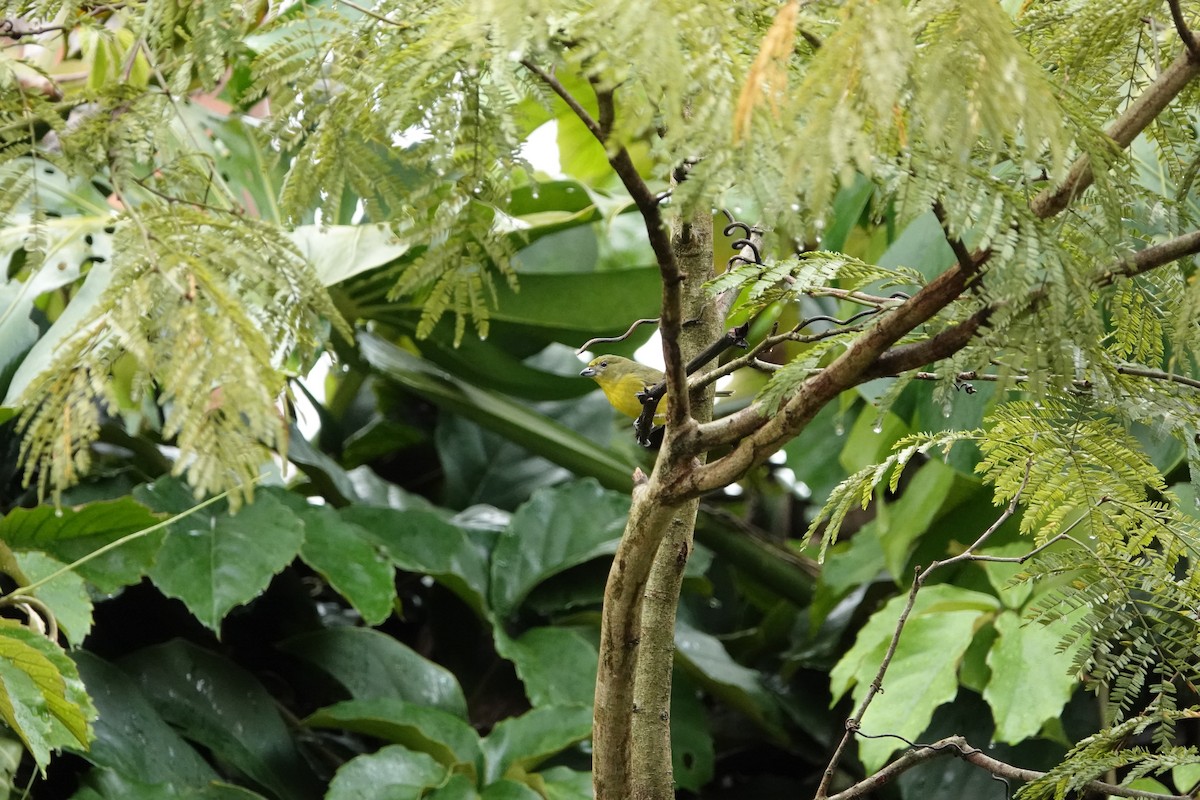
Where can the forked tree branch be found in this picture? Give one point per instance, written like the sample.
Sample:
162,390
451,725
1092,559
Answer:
951,340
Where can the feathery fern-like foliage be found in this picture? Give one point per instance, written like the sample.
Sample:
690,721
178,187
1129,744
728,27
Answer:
207,305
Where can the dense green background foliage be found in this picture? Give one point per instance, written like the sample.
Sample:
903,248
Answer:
202,201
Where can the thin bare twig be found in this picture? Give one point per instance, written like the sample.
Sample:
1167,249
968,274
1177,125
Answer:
1158,375
961,253
372,14
599,339
557,87
959,747
852,724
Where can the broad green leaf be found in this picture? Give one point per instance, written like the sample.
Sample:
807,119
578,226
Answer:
107,784
338,252
923,671
22,705
1031,679
446,737
42,699
557,529
563,783
346,556
485,467
69,534
921,246
1000,574
70,244
217,704
511,419
614,299
1186,777
556,665
328,477
508,790
523,742
870,441
65,596
393,773
497,363
130,737
934,490
213,560
707,663
458,787
373,665
423,542
848,207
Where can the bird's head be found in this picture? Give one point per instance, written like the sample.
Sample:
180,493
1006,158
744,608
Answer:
600,364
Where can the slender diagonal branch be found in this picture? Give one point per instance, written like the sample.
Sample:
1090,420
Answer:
852,724
952,339
647,203
572,102
1149,258
1185,33
1140,113
959,747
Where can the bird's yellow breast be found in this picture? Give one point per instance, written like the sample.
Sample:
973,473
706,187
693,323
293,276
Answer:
621,380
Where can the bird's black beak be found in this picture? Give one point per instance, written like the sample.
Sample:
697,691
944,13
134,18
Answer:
588,372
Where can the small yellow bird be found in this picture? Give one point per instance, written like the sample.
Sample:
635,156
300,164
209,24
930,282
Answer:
621,380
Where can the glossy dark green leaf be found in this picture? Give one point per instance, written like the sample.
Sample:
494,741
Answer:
508,790
213,560
448,738
485,467
107,784
848,207
556,665
557,529
131,738
563,783
372,665
392,773
348,557
709,664
217,704
531,430
692,753
572,307
69,534
524,742
423,542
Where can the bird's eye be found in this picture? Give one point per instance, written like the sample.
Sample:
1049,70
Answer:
604,363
